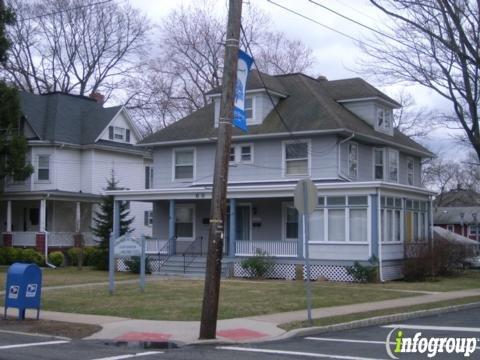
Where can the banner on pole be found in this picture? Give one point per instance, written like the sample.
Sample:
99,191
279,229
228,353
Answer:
245,62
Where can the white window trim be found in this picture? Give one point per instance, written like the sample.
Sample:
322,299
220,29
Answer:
192,206
382,128
238,153
398,165
409,158
123,131
451,227
150,218
174,152
286,205
309,157
383,150
49,181
356,160
250,121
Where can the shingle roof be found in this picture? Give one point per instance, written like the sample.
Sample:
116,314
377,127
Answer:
66,118
458,198
452,215
309,106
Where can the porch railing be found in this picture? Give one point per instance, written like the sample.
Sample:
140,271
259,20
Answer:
57,239
193,250
272,248
23,238
156,246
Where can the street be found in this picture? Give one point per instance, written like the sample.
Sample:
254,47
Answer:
363,343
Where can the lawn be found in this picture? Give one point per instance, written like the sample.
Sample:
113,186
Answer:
70,276
181,299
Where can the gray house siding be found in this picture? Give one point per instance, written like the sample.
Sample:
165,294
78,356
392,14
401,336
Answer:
392,251
331,252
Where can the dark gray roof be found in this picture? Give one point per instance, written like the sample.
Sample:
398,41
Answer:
452,215
255,82
66,118
458,198
308,107
355,88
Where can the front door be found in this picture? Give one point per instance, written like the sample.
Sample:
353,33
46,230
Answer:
244,222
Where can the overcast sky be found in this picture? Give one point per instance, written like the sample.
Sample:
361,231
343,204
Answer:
336,56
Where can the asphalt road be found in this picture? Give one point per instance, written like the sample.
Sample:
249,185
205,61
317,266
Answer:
364,343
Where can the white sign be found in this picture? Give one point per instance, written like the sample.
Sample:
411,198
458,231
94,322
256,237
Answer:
128,246
13,292
31,290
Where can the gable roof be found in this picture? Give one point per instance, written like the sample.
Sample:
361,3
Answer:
309,107
60,117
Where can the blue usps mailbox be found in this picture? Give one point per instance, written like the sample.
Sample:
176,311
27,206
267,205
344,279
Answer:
23,289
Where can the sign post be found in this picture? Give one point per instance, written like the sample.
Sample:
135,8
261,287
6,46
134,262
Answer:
305,201
125,246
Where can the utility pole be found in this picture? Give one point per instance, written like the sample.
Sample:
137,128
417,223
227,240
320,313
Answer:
208,325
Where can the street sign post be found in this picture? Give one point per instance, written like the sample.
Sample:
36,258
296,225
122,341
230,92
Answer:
305,201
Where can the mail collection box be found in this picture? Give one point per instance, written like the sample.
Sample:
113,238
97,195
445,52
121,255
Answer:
23,288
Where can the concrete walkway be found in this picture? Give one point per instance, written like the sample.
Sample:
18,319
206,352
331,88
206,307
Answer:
249,329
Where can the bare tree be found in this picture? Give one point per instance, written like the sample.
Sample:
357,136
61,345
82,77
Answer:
416,122
189,62
440,174
74,46
436,45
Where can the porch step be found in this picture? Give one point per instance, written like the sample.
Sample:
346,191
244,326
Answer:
175,267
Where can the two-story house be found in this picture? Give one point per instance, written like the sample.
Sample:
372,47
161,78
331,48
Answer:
74,144
338,133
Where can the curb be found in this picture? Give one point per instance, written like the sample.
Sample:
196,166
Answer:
377,320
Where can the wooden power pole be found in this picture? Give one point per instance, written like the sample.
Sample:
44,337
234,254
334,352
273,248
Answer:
218,209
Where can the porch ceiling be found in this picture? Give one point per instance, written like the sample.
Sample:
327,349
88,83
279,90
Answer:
262,191
51,195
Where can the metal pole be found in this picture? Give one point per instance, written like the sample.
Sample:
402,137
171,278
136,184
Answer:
111,265
208,324
307,265
142,265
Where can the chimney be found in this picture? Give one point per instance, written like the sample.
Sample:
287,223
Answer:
322,78
99,98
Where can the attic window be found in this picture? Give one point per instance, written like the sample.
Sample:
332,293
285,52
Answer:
249,107
117,133
384,118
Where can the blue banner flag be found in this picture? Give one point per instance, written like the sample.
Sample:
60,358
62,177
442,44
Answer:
245,62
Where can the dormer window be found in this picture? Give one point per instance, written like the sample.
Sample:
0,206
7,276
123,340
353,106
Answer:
117,133
384,119
249,107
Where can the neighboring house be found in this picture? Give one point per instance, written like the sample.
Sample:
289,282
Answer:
74,144
458,211
338,133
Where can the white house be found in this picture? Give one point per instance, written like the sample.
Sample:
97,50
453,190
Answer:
338,133
74,144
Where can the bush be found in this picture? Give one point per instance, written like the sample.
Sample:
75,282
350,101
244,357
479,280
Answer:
56,258
75,256
134,265
99,259
10,255
364,274
422,261
259,265
89,255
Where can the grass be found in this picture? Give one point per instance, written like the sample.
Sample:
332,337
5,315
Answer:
365,315
182,299
70,276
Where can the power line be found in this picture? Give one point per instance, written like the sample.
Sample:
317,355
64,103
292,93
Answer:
65,10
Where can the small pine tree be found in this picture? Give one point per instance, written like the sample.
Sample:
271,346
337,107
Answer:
104,218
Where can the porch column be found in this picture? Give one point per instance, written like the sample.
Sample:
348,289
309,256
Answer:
171,228
116,219
43,215
375,235
233,227
301,240
9,216
77,217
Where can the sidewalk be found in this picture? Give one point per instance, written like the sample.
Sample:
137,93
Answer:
249,329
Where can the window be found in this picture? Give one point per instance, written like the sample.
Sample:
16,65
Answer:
352,160
296,158
379,167
242,153
118,133
184,217
291,222
451,228
148,177
249,107
336,225
316,225
472,229
391,219
43,168
393,165
184,164
384,119
410,170
358,225
148,218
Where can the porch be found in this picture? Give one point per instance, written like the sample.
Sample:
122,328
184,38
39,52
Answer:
54,219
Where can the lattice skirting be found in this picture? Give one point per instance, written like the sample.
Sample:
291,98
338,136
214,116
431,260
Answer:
152,263
329,272
279,271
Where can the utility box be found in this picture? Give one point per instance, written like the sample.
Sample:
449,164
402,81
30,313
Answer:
23,288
